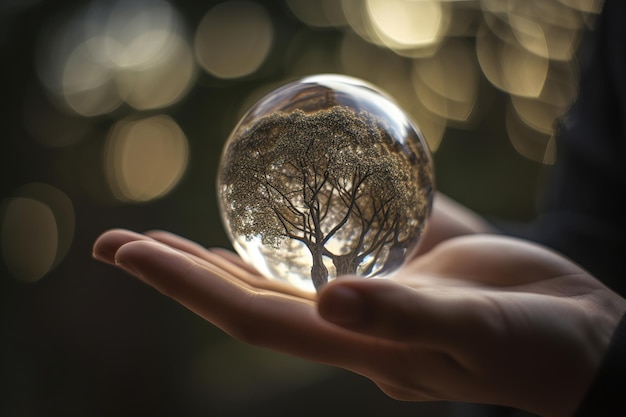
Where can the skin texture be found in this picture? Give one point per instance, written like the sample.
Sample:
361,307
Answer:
477,318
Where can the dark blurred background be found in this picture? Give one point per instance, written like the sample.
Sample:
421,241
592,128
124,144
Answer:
114,114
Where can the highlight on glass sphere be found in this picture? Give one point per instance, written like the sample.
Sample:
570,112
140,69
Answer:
323,177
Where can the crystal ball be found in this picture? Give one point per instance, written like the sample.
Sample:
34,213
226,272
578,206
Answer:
323,177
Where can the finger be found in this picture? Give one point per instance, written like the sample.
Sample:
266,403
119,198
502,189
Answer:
106,246
192,247
212,255
177,242
423,317
230,262
109,242
236,259
281,322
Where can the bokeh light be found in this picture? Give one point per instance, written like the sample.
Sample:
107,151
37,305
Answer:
447,84
525,49
88,83
586,6
145,158
553,102
111,52
510,67
534,144
135,52
407,25
29,238
356,15
321,13
164,82
136,33
545,28
356,56
37,228
234,39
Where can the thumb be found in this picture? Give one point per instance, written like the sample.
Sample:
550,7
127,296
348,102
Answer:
387,309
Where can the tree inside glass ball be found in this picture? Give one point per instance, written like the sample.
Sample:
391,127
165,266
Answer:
324,177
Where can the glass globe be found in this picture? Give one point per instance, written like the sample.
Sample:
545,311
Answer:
323,177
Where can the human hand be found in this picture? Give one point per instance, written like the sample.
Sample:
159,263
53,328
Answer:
450,219
476,319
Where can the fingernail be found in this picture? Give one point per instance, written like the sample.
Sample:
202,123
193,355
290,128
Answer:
342,305
130,268
103,254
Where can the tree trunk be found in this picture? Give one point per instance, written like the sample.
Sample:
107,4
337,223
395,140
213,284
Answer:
319,272
345,264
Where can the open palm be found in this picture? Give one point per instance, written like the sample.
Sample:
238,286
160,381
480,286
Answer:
480,318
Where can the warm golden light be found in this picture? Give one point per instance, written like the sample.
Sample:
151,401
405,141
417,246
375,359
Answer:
447,83
62,208
320,13
538,115
234,39
431,125
356,57
358,19
29,238
555,99
518,45
407,24
133,53
533,144
554,33
394,77
587,6
116,51
164,82
510,67
145,158
137,32
88,84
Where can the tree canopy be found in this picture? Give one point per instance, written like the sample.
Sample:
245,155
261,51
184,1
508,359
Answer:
334,180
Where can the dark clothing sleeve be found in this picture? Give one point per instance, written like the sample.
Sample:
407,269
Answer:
585,209
607,396
584,214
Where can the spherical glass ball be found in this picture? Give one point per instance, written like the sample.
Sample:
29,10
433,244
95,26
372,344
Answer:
323,177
